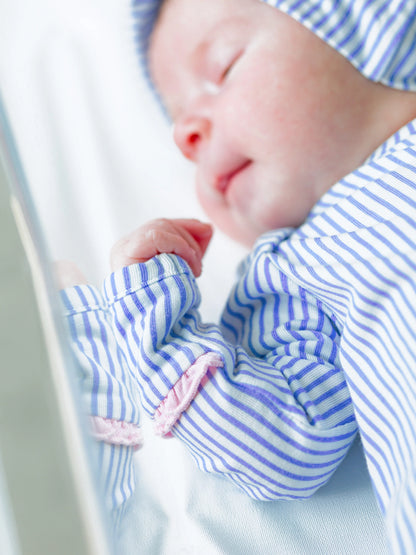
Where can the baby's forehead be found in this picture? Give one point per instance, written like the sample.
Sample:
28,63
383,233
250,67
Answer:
147,12
336,22
189,14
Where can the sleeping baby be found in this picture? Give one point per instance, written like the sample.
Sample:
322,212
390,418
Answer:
300,119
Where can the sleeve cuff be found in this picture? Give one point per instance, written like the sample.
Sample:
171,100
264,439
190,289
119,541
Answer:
132,278
183,392
116,432
80,298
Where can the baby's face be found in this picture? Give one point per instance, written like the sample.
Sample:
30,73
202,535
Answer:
245,87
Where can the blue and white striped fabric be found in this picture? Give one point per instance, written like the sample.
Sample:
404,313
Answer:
107,387
377,36
277,419
357,254
104,372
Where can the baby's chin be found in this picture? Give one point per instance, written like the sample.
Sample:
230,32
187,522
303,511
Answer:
247,235
244,233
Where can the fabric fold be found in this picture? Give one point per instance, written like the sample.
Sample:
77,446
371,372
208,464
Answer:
183,392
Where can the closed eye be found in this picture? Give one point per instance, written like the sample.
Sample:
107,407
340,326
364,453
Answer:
230,66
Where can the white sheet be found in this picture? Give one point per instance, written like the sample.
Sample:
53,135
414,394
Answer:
100,159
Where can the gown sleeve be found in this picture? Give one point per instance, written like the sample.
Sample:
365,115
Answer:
260,398
108,393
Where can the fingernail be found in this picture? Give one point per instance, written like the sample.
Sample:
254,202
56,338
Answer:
208,228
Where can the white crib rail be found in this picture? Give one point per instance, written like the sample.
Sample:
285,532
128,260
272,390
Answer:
51,505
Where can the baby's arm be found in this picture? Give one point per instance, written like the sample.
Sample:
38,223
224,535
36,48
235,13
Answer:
262,398
108,395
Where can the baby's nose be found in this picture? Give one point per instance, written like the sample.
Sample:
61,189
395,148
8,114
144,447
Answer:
189,134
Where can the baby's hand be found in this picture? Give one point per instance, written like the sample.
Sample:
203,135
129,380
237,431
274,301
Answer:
68,274
188,239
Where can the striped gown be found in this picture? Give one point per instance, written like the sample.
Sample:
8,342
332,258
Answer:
318,335
314,309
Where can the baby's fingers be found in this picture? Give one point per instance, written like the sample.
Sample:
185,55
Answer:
156,241
201,232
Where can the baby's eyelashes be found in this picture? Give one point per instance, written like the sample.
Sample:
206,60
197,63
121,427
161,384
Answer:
230,65
218,73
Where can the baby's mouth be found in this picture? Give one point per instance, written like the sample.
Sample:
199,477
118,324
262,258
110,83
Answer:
222,182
